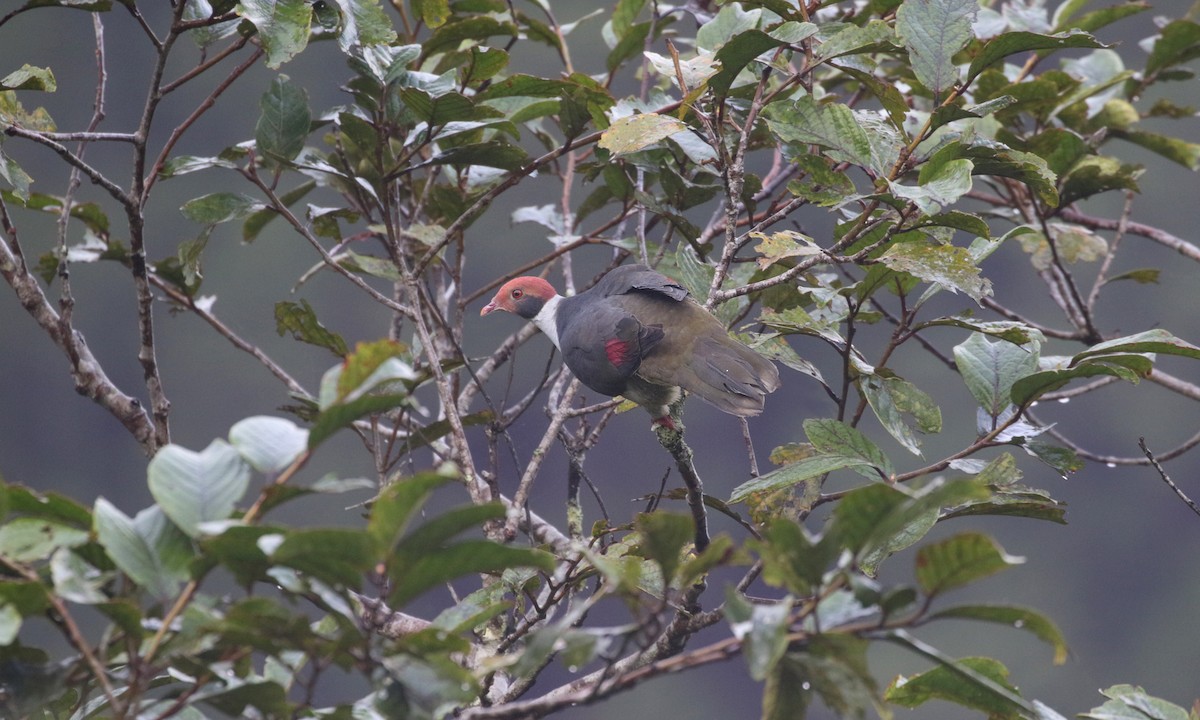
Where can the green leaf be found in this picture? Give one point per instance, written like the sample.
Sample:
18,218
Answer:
1140,275
792,558
433,13
744,47
198,487
1090,22
1012,43
832,437
184,164
486,63
663,537
1095,174
301,321
908,521
268,443
25,540
283,120
1072,244
636,132
967,222
219,207
990,369
437,533
1157,341
29,598
850,39
933,31
10,624
465,558
624,15
1031,387
794,473
372,379
992,158
149,548
1021,618
12,174
259,219
960,684
860,512
29,78
820,183
782,246
892,399
487,154
1127,702
786,694
450,35
1064,460
940,188
719,552
396,504
762,629
19,499
947,266
337,556
960,560
364,22
77,580
1122,357
835,667
1178,151
1175,45
832,126
283,26
237,549
438,110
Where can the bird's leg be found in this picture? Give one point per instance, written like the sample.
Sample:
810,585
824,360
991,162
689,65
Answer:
670,436
664,422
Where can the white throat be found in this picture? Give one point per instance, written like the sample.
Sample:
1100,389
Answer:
547,317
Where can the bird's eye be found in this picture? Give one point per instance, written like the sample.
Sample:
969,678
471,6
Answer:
517,293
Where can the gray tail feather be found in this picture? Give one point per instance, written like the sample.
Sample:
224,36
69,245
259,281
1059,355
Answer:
731,377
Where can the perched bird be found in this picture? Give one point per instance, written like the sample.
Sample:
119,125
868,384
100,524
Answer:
637,334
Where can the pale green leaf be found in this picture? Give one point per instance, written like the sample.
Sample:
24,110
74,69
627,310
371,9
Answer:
219,207
893,399
933,31
149,548
268,443
1127,702
989,369
283,26
29,78
31,539
197,487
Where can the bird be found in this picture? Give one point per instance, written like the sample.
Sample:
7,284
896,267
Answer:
638,334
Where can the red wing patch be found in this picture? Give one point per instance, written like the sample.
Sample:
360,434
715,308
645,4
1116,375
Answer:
618,352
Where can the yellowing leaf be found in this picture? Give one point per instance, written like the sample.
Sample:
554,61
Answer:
637,132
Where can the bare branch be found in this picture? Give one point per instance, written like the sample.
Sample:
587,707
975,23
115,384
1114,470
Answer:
89,376
1167,478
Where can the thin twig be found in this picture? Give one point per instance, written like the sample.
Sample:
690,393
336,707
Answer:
1167,478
